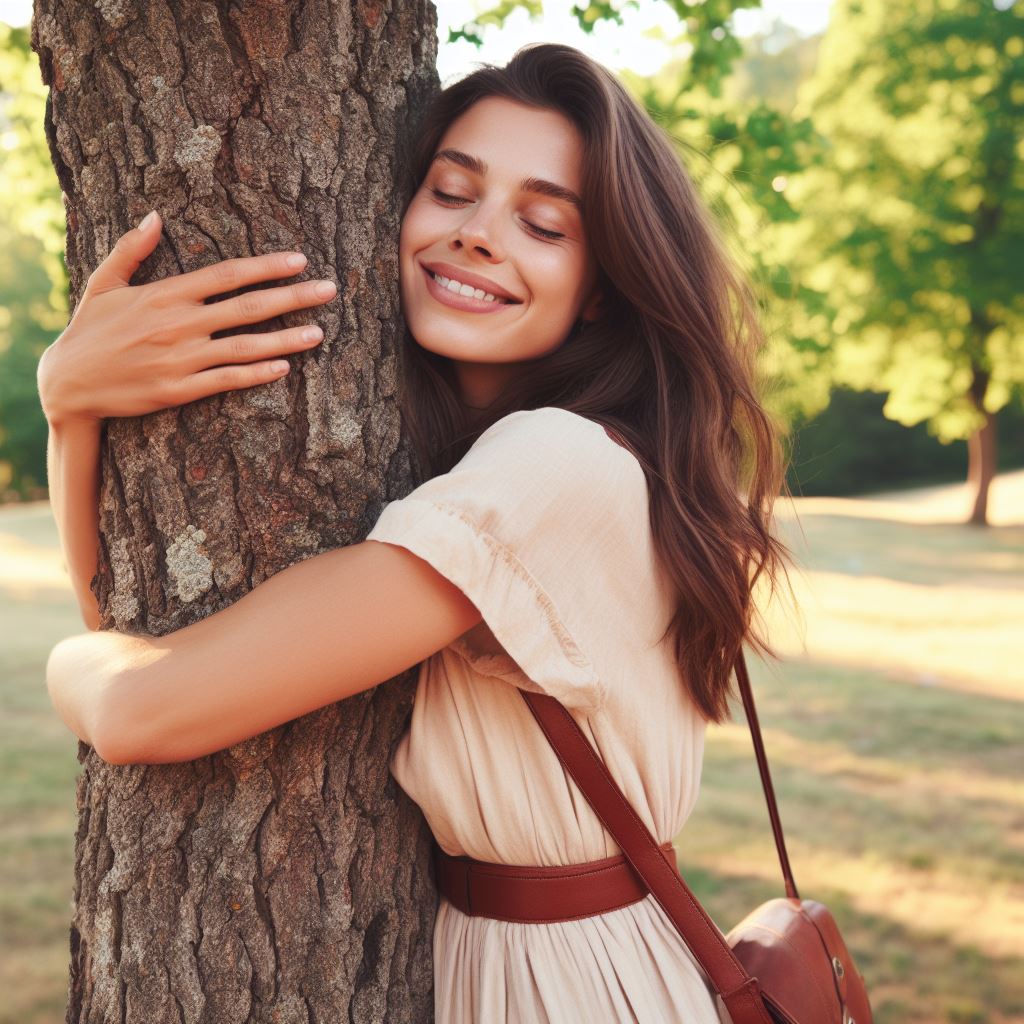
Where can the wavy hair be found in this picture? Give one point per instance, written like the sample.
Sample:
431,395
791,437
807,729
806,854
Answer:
669,364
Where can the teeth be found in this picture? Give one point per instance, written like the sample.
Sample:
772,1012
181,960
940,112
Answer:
464,289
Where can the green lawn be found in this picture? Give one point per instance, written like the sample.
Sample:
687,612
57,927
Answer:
894,727
895,731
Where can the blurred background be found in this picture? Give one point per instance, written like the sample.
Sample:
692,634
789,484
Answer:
866,161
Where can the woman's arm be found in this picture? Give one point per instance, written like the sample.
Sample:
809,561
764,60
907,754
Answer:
79,675
321,630
73,472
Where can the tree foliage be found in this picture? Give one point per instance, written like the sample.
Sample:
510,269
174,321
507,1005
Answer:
33,278
914,224
741,150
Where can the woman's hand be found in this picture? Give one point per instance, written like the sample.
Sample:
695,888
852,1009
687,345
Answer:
130,350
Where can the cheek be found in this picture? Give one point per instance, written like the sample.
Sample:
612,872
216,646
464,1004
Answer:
557,274
416,234
413,225
423,224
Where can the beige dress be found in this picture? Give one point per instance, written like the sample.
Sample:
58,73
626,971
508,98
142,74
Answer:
543,524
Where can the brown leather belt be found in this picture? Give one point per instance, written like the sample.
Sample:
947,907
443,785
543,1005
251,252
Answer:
533,894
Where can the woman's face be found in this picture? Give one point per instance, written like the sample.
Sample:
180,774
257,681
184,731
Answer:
496,212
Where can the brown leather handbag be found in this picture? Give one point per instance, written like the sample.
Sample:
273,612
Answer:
785,962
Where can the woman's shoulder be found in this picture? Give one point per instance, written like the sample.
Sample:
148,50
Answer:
553,433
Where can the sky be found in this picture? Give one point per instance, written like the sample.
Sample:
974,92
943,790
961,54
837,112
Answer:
616,46
633,44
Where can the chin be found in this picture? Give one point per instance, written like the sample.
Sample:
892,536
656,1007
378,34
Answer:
440,339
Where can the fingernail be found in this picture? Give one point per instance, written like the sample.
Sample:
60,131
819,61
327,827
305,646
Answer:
325,289
145,222
279,367
297,259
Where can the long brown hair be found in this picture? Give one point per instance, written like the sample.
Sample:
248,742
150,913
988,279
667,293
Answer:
669,364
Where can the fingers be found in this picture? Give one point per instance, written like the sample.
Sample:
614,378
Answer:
128,253
230,275
250,359
256,306
225,378
247,348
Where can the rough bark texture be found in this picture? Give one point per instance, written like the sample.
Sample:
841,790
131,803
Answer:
286,879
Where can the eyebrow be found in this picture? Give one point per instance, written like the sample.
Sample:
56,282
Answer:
539,185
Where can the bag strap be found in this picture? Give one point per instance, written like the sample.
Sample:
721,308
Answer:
739,991
747,695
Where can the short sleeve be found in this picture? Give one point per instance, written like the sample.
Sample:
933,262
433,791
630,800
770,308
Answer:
529,525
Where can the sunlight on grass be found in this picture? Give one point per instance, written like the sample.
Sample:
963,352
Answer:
946,503
951,634
879,848
891,585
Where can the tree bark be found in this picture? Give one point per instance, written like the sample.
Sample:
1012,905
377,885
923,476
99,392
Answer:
286,879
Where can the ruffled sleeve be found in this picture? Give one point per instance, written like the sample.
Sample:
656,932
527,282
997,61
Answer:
530,525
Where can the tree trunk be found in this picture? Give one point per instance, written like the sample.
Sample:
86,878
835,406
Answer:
286,879
981,467
981,449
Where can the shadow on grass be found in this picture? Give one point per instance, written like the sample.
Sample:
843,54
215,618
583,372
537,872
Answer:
903,814
912,976
930,554
883,715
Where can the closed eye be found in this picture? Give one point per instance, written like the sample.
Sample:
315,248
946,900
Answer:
446,198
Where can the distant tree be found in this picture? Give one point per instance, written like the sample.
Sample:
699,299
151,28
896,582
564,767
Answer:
774,65
914,224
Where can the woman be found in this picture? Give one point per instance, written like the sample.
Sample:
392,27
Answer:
558,274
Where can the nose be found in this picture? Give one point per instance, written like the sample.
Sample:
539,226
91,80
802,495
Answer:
478,232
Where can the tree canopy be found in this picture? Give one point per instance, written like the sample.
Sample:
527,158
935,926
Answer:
913,226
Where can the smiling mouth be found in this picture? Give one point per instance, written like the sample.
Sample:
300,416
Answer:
454,298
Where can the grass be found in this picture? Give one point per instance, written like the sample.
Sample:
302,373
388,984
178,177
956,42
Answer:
893,726
38,767
894,730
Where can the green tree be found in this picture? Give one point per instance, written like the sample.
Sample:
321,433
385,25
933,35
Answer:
33,279
913,225
742,152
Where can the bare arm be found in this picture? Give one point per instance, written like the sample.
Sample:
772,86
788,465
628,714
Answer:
73,471
80,671
321,630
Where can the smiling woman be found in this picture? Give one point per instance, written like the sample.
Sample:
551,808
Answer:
563,287
498,214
